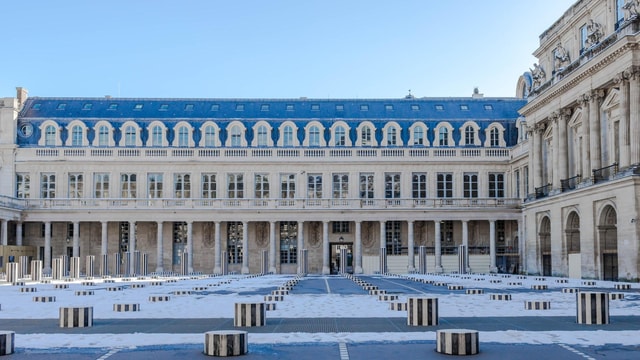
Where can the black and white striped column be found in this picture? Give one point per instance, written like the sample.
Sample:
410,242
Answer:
264,262
89,265
422,311
457,342
224,263
12,272
74,267
343,261
117,264
144,265
57,271
184,263
72,317
304,262
7,342
36,270
127,264
226,343
592,308
250,314
383,260
65,265
462,259
24,267
136,262
422,260
104,265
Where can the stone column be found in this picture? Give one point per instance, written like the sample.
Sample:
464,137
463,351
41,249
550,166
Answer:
245,247
132,246
217,250
634,119
537,156
411,264
19,233
594,130
300,245
438,245
5,237
190,246
586,144
623,134
325,248
358,257
563,153
465,241
76,239
159,247
47,247
556,152
492,245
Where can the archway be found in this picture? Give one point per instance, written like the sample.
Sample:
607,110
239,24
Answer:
572,245
544,239
608,241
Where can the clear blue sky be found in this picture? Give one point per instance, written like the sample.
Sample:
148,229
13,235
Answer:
270,49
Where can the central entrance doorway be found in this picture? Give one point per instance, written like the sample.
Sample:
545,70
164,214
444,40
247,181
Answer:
334,260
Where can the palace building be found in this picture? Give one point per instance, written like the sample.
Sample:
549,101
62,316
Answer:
542,183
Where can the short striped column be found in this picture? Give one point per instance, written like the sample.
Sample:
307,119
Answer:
224,263
89,264
72,317
622,286
24,267
250,314
343,261
12,270
74,269
383,260
503,297
462,259
422,260
474,291
457,342
117,264
36,270
422,311
398,306
264,262
126,307
537,305
592,308
44,299
104,265
7,341
226,343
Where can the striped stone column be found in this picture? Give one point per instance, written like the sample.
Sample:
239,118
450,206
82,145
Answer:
74,267
117,264
136,262
23,270
422,311
57,271
7,342
304,262
126,266
592,308
89,266
226,343
184,263
264,262
250,314
383,260
422,260
36,270
65,265
462,259
12,271
104,265
144,265
224,263
72,317
457,342
343,261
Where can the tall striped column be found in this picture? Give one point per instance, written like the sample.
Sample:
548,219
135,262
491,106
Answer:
422,311
117,264
36,270
224,263
383,260
592,308
304,262
12,270
264,262
7,342
462,259
422,260
136,262
144,267
74,267
23,271
71,317
104,265
57,271
343,261
89,265
126,266
184,263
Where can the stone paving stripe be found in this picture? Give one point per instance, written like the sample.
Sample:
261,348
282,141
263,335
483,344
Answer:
327,284
567,347
344,353
109,354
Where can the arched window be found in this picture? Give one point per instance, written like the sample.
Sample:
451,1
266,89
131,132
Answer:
418,136
365,136
130,136
76,135
209,136
443,136
314,136
156,136
469,135
287,139
236,136
263,136
50,135
183,136
103,136
495,137
392,137
340,136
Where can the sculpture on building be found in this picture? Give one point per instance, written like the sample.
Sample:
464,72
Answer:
594,33
538,74
560,57
632,9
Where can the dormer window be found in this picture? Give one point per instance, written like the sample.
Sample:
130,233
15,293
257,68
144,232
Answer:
488,107
290,107
264,107
364,107
439,107
415,107
61,106
388,107
138,107
188,107
464,107
87,106
215,107
315,107
164,107
240,107
113,107
339,107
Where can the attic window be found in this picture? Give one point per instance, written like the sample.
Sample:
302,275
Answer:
113,107
138,107
488,107
164,107
290,107
440,107
339,107
36,106
87,106
415,107
315,107
364,107
188,107
240,107
388,107
264,107
215,107
464,107
61,106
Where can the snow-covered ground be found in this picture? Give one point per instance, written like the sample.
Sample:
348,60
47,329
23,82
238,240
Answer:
19,305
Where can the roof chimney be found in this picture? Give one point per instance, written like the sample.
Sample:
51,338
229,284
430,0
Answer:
476,93
21,94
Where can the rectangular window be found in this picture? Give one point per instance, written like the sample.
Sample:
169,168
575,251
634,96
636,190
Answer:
234,242
470,184
415,107
290,107
517,183
288,242
182,186
392,187
340,186
76,186
287,186
23,186
128,186
446,235
261,182
619,12
101,185
154,183
235,186
340,227
315,107
439,107
364,107
496,185
366,186
388,107
314,186
124,235
264,107
339,107
209,186
392,238
47,186
70,231
419,185
444,185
